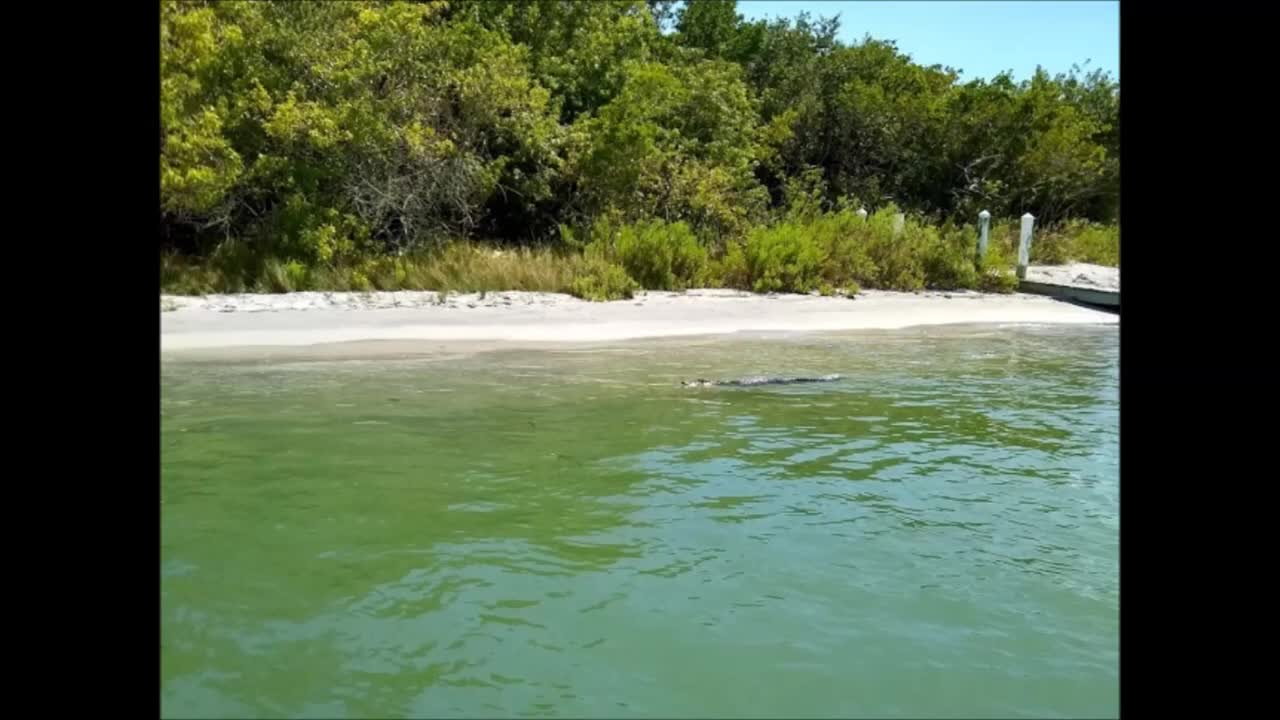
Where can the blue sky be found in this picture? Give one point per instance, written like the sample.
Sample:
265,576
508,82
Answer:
980,38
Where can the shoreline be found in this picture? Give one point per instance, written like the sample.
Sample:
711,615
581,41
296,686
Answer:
380,323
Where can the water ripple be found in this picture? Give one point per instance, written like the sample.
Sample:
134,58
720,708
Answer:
574,534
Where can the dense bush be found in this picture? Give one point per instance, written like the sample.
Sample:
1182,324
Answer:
1076,241
601,280
844,241
661,256
782,258
949,261
998,281
1098,244
840,250
995,269
898,255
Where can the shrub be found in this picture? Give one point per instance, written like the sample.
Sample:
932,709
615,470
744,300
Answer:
277,277
1050,246
949,258
1099,244
297,275
840,249
712,274
360,281
1071,241
600,280
331,278
234,267
783,258
1004,237
731,270
386,273
1000,280
995,273
273,277
898,257
661,256
842,238
999,256
179,276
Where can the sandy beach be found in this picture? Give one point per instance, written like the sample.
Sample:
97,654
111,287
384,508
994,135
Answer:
310,319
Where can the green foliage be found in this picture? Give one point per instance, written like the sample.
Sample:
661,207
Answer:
998,281
1002,247
833,252
599,280
458,267
677,143
1077,241
180,276
782,258
297,275
949,258
842,237
577,50
804,195
840,250
288,121
711,25
276,278
467,267
337,135
897,258
661,256
1098,244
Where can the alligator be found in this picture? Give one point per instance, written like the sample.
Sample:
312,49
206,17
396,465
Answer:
759,380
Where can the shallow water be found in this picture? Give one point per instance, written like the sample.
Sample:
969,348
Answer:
571,533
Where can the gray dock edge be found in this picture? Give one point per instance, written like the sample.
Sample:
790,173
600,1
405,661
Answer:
1106,299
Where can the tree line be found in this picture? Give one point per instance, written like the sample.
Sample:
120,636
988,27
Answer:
317,131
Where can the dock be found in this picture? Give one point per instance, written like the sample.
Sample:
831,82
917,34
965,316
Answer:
1094,285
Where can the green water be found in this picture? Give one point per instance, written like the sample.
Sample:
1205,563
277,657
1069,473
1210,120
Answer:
571,534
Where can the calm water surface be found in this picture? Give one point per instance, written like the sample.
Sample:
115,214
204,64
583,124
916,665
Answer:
571,534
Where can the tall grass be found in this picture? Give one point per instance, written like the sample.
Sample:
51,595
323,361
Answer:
823,251
459,267
465,267
1067,242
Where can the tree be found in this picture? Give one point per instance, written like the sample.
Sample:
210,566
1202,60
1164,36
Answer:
678,144
317,128
711,25
316,131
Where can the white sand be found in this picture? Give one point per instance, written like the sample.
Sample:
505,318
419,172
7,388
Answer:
221,322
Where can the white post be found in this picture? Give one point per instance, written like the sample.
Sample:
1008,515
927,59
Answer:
862,213
899,222
984,231
1024,245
